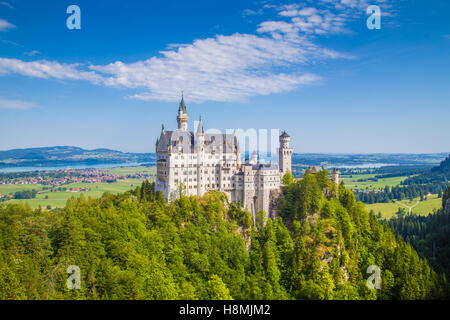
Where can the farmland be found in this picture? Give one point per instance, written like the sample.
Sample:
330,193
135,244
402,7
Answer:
57,197
374,181
368,181
422,208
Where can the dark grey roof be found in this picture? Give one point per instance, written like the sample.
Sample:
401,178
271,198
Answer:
284,135
265,166
186,141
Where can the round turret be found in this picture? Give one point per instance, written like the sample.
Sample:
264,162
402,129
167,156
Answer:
284,140
285,153
335,175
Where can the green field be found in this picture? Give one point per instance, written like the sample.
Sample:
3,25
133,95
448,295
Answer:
388,210
59,199
351,182
123,171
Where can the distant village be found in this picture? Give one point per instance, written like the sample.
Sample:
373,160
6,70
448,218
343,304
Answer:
56,179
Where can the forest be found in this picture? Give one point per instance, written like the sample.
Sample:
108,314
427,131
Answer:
400,193
134,245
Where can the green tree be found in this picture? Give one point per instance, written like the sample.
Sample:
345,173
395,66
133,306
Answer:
216,289
288,178
445,197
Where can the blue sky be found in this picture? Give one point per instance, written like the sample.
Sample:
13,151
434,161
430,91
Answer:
312,68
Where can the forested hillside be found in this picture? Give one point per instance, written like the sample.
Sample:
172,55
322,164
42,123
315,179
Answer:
429,235
135,246
439,174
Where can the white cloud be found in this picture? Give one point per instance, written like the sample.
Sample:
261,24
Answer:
47,69
5,25
16,104
224,68
327,17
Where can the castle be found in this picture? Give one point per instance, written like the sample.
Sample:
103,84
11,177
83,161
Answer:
195,163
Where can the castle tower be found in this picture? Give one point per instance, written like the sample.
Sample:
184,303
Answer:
285,153
200,133
335,176
182,118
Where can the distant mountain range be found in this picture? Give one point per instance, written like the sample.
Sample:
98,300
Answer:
64,155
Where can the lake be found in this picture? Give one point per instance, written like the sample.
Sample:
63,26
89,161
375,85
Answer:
75,166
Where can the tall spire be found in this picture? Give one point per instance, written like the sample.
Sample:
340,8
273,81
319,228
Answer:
200,127
182,104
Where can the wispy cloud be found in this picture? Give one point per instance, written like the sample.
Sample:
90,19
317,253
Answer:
326,17
47,69
250,12
222,68
12,43
32,53
5,25
7,4
16,104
